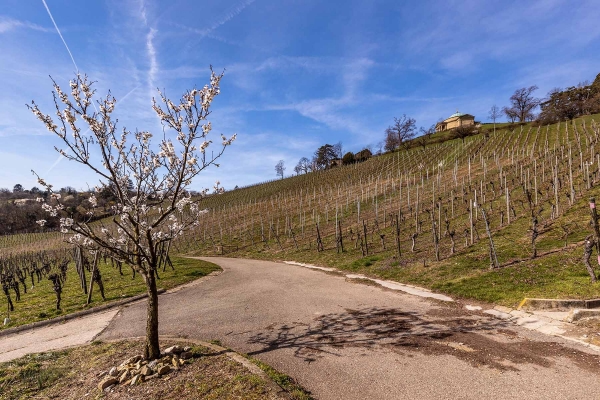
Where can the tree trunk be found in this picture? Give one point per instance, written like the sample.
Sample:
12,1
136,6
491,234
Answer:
151,349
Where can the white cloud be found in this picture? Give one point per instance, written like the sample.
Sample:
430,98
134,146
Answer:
153,71
228,16
9,24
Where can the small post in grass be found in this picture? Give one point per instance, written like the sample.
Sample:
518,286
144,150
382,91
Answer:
595,243
94,267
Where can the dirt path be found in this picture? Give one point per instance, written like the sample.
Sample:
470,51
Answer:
344,340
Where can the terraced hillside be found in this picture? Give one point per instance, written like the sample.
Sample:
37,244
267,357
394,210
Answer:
426,214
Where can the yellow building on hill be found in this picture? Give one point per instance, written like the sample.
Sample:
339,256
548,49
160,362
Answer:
454,121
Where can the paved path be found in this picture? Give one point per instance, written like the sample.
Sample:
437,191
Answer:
347,340
72,333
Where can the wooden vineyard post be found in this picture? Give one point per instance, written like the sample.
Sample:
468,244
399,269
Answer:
595,220
80,269
277,237
556,191
435,237
587,253
534,235
507,203
471,219
493,256
161,249
319,241
293,237
57,287
398,237
339,242
365,237
167,258
535,191
596,243
89,298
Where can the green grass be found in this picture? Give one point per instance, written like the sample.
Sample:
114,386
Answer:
26,376
557,272
524,155
39,303
286,382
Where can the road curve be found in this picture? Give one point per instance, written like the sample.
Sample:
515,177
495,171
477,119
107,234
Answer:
346,340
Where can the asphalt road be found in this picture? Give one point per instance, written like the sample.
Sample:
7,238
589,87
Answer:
347,340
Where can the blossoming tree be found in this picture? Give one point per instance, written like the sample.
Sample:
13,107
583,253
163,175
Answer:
157,207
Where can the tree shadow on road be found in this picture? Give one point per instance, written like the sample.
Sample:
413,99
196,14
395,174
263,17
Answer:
474,339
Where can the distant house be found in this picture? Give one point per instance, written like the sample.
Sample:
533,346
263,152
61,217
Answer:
454,121
336,162
22,202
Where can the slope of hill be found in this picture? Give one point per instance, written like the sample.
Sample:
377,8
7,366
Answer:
419,215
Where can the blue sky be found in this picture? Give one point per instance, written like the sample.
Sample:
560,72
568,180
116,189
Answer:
298,73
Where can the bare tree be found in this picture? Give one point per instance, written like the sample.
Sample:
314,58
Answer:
337,149
157,207
280,168
510,113
494,114
303,165
522,105
425,136
428,132
401,131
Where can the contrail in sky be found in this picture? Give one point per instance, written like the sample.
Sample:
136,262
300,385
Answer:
61,36
60,157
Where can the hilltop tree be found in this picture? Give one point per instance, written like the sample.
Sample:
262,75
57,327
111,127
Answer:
303,165
158,208
348,158
511,114
494,114
522,105
463,131
425,136
402,130
18,188
323,156
280,168
363,155
561,105
337,149
427,132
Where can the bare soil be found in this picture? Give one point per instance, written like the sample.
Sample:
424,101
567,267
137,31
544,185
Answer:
587,329
75,374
